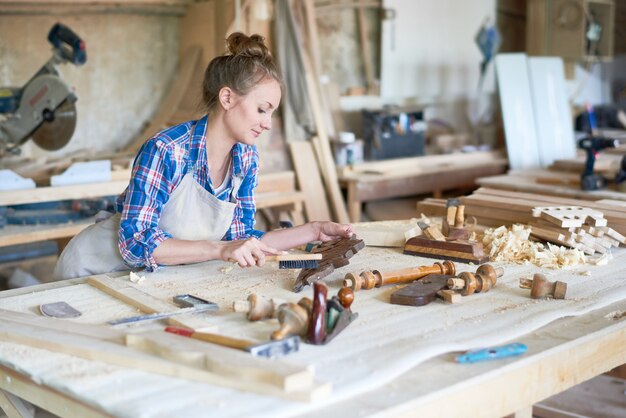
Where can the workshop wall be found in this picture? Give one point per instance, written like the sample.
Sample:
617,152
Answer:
131,59
429,57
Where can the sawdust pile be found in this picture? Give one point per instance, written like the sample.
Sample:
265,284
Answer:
514,245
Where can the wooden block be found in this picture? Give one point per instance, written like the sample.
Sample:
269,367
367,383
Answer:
458,233
608,231
449,296
433,233
592,230
549,235
386,233
420,292
608,241
562,216
464,251
595,221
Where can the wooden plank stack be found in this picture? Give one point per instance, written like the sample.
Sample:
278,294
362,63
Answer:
493,207
575,227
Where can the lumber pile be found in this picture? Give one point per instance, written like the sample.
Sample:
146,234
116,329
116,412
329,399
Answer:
575,227
494,207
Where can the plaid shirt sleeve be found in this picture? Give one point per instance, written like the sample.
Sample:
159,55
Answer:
243,219
154,176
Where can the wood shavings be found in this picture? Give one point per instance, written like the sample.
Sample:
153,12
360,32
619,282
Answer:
615,315
603,260
227,269
514,245
136,278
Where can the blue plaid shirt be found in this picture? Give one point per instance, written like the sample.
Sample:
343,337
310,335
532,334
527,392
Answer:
159,167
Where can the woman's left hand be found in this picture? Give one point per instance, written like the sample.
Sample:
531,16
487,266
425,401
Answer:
328,231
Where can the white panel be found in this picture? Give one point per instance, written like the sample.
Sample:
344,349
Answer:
428,49
517,111
554,124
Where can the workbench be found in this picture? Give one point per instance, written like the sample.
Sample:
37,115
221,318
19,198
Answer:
414,176
392,360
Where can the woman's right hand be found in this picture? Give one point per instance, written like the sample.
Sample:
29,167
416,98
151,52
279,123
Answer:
246,252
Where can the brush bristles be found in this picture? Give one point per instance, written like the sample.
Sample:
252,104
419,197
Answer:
298,264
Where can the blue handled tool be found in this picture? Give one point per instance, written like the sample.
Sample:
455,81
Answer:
503,351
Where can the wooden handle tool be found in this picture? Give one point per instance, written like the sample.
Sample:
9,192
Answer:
542,288
483,280
267,349
374,278
258,307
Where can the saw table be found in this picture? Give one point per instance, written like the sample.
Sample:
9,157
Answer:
392,360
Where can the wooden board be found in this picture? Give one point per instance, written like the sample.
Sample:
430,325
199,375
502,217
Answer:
24,234
52,194
386,233
517,110
521,182
324,153
309,181
38,335
122,289
555,133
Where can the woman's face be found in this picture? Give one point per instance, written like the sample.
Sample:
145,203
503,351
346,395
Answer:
251,114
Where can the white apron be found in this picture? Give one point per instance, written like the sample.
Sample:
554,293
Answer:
191,213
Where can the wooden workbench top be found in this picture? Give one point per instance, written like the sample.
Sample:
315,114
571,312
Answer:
392,358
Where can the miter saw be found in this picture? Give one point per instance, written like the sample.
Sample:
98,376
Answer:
44,109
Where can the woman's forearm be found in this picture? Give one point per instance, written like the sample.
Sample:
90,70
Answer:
284,239
175,251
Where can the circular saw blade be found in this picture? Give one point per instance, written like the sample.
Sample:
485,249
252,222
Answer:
56,133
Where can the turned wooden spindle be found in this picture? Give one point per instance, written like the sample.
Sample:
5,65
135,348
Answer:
317,322
483,280
459,216
307,304
258,307
293,320
541,288
346,297
375,278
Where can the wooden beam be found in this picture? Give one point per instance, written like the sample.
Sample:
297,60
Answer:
121,288
52,194
309,181
45,397
14,407
38,335
280,181
210,357
230,363
365,50
145,7
24,234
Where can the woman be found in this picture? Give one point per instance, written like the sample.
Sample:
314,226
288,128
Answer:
191,193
